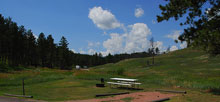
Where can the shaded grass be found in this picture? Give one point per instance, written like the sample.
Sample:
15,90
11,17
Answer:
215,91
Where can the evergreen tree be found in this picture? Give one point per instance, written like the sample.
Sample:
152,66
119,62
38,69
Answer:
42,49
203,21
64,54
51,51
16,41
109,58
63,43
31,49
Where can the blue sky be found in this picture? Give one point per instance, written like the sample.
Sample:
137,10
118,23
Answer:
106,26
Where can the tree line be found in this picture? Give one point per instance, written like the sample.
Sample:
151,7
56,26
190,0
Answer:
19,47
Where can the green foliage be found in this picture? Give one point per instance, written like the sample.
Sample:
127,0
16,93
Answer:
203,24
120,71
117,71
3,67
63,43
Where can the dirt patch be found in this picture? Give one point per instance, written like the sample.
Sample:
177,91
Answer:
136,97
3,75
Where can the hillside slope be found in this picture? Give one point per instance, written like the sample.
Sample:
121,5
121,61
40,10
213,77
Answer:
188,69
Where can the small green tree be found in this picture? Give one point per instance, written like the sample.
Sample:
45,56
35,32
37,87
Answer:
152,48
157,50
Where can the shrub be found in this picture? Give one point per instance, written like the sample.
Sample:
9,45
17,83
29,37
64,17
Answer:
120,71
3,67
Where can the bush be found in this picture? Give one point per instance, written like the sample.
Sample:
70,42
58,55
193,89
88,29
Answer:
6,68
116,71
3,67
120,71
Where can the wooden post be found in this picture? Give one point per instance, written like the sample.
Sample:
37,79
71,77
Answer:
153,56
23,87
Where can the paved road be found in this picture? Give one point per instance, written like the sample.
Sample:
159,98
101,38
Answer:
13,99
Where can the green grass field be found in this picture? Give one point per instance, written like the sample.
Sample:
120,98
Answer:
189,69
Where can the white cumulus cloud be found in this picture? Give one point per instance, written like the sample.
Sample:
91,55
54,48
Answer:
174,35
136,39
91,51
103,19
133,41
81,51
159,45
138,12
73,50
173,48
93,44
114,44
183,45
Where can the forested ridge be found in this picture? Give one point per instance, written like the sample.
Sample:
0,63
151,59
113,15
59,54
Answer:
19,47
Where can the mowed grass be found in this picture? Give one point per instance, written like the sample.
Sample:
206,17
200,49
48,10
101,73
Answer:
189,69
53,85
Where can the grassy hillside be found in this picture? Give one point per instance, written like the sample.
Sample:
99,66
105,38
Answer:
185,68
188,69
